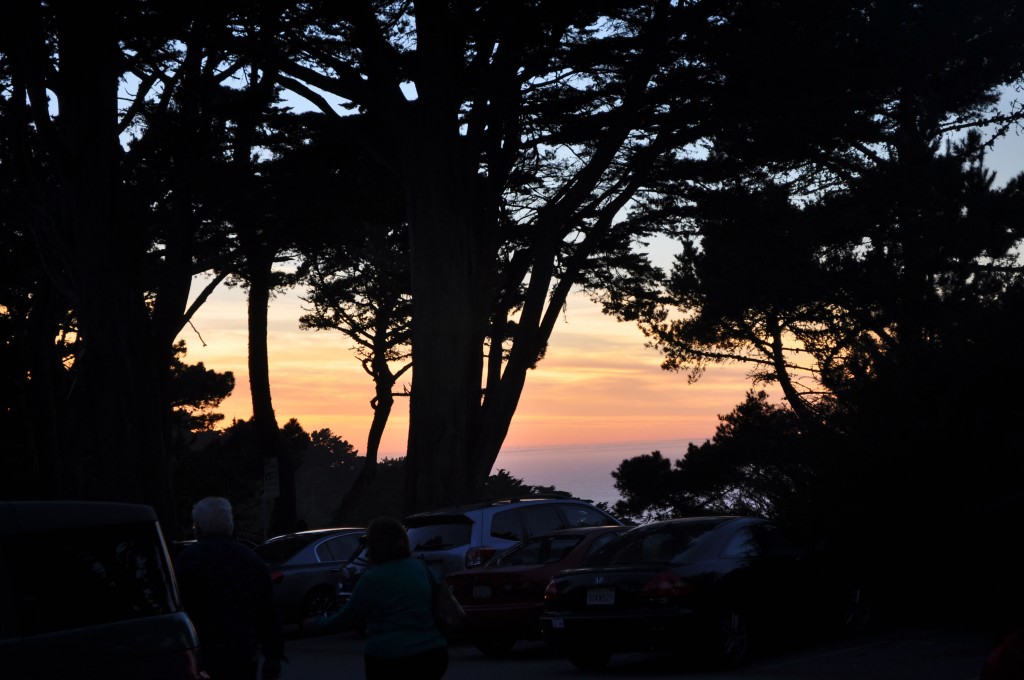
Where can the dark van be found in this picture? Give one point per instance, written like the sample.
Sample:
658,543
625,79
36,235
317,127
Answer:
87,591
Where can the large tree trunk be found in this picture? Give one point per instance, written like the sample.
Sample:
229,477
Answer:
450,313
452,249
46,389
115,399
268,435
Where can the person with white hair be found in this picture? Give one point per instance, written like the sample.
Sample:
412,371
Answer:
226,591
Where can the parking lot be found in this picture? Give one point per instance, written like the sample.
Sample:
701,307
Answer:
896,654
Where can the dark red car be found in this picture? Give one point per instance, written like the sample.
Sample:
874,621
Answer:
504,598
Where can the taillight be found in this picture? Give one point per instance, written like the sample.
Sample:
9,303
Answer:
551,592
478,555
276,577
192,666
665,585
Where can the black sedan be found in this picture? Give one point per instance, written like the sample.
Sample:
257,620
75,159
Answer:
716,586
304,568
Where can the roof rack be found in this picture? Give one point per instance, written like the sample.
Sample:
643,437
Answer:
498,500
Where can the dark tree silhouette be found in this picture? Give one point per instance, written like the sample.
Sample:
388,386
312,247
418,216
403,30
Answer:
368,302
112,443
518,132
113,183
816,245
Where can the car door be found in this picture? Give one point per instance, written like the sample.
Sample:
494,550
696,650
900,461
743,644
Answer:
783,580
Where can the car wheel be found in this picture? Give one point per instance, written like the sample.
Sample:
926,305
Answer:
319,601
495,645
856,613
730,643
588,659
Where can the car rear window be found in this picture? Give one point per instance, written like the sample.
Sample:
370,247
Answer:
651,545
111,573
281,549
441,536
538,550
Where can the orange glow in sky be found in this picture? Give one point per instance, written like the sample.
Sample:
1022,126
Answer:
598,384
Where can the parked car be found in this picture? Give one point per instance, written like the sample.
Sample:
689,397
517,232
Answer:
504,598
466,536
87,591
304,568
719,586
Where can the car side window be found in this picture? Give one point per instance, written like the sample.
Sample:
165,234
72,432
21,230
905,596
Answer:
540,519
600,542
337,548
506,525
581,516
558,548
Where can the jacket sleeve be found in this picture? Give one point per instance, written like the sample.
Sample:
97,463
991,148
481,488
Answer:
353,614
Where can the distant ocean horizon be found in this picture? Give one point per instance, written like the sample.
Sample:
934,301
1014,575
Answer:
583,470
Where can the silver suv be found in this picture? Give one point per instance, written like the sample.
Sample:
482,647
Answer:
466,536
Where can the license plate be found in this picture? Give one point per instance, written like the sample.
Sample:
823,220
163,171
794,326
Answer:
481,592
558,623
599,596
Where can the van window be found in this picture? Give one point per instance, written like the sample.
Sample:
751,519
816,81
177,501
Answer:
583,516
112,573
439,536
520,523
540,519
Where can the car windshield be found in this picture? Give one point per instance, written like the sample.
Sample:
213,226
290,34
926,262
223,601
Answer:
538,550
652,544
439,536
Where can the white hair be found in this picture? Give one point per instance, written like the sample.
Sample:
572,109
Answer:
212,517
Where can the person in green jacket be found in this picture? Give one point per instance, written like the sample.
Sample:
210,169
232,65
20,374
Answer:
392,603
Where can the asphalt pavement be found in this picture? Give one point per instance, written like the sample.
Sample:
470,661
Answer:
894,654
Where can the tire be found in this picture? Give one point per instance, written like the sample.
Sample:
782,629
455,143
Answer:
856,613
317,602
588,659
495,645
730,639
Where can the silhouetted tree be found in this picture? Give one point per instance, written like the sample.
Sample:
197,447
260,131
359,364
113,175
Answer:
821,239
369,303
755,464
518,132
194,392
117,138
111,441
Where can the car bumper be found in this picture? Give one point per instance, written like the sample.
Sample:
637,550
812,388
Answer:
505,618
645,631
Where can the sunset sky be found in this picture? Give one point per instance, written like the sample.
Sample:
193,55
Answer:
598,384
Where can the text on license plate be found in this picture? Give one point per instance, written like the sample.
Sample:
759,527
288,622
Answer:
481,592
600,596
